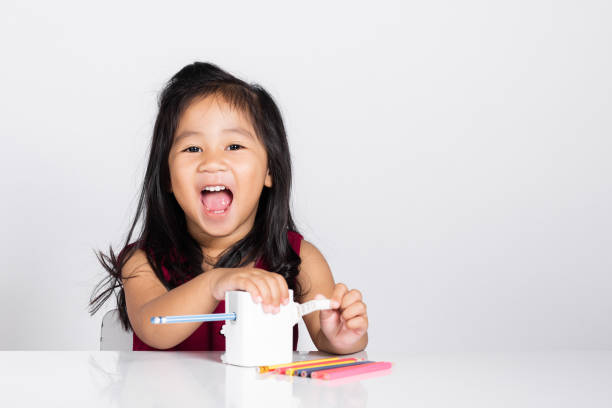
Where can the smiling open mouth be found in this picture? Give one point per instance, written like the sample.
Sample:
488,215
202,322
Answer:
216,199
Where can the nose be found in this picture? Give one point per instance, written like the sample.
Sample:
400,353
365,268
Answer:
212,161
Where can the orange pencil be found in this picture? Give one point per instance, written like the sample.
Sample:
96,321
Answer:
265,369
292,370
302,364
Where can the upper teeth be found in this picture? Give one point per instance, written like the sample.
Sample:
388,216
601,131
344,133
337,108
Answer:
214,188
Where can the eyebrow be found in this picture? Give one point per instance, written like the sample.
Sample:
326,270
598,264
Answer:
186,133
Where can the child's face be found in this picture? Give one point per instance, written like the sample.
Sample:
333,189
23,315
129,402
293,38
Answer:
210,157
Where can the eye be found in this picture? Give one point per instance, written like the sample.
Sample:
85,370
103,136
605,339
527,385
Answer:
191,147
235,145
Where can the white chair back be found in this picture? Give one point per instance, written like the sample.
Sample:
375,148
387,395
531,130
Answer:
112,335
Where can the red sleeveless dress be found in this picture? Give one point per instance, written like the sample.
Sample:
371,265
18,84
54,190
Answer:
207,337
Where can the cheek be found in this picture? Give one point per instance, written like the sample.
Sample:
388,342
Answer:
251,177
181,186
179,172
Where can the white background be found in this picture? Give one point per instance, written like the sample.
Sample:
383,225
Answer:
451,159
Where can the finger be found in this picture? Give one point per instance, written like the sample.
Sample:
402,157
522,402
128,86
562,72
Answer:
264,289
339,291
329,318
359,323
350,297
325,314
273,283
356,309
250,286
284,289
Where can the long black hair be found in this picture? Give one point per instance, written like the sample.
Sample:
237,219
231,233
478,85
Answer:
164,232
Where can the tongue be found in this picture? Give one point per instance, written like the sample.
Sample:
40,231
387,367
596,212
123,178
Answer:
216,200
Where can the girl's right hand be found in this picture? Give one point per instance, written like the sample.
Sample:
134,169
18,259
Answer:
268,288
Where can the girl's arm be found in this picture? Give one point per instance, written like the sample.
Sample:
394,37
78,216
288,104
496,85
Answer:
146,296
342,330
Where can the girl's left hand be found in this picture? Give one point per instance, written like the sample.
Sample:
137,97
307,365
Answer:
347,321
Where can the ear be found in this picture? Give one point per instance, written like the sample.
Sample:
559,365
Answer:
268,181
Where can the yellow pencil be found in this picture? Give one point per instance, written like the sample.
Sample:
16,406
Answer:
265,369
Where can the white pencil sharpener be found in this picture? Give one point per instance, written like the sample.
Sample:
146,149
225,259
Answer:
257,338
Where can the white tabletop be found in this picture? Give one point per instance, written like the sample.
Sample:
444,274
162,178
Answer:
183,379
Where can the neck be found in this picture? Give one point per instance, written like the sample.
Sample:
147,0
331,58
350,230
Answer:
212,246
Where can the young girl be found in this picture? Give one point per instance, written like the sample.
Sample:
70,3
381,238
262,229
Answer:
216,218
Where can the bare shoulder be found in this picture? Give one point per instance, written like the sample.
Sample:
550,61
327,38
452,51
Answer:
136,264
137,276
315,276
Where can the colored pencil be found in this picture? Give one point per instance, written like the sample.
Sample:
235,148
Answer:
264,369
292,370
285,370
214,317
348,371
307,372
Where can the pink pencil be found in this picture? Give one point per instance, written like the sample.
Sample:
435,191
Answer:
341,372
